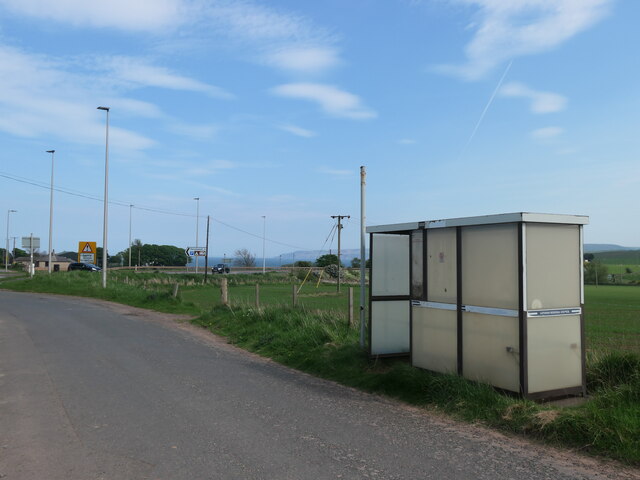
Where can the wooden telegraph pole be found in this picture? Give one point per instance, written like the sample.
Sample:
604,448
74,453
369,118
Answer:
339,217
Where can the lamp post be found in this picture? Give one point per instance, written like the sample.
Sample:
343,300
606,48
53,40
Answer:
197,199
130,208
6,252
53,153
106,202
264,231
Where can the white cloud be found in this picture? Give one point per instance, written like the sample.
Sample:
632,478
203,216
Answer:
137,72
331,99
547,132
28,108
511,28
541,102
138,15
305,60
299,131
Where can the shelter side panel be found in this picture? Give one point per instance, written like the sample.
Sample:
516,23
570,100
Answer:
554,353
490,350
390,265
490,266
434,339
390,327
441,265
553,266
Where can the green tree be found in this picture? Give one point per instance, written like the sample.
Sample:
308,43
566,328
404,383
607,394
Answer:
302,263
327,259
589,256
595,272
355,263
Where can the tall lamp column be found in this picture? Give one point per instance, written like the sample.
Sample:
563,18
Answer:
106,202
53,153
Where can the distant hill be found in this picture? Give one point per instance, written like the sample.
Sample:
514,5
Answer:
618,257
605,247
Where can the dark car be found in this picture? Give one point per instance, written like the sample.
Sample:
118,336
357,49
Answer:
220,268
89,267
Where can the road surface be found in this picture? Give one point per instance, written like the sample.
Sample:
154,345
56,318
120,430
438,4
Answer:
92,390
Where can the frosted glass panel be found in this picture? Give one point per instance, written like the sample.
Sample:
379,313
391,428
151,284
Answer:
389,327
554,353
390,262
490,266
441,265
553,266
485,340
434,339
417,265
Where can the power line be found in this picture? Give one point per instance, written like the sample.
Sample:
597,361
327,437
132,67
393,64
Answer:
138,207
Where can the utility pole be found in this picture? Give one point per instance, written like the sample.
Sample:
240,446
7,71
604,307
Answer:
206,253
339,217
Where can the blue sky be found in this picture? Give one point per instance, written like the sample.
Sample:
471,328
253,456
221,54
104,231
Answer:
456,107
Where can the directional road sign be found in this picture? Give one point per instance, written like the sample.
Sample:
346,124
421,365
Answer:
195,251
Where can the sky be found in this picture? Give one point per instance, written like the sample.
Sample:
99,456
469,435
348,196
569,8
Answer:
265,111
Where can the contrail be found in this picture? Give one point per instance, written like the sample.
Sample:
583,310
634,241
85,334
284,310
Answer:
493,95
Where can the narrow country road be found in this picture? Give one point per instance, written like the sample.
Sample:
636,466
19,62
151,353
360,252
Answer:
92,390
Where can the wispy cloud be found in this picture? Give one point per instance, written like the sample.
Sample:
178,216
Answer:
507,29
299,131
28,109
139,15
331,100
541,102
313,59
141,74
547,132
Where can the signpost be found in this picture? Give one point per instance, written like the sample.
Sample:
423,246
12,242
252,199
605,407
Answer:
87,252
195,251
31,243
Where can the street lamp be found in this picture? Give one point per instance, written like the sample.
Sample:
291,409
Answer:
106,202
52,152
6,252
197,199
264,230
130,207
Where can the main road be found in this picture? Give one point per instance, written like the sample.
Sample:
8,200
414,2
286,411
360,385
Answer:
93,390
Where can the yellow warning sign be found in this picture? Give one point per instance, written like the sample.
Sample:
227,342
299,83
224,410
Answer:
87,252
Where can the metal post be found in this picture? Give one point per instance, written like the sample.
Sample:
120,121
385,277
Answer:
31,267
130,208
264,231
52,152
106,202
363,270
6,252
206,253
197,199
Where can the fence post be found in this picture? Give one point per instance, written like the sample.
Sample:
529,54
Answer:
350,306
295,295
224,292
257,295
175,290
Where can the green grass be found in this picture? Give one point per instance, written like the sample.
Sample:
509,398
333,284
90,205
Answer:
315,338
612,318
618,257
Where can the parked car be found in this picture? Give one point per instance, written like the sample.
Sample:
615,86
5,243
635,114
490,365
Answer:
89,267
220,268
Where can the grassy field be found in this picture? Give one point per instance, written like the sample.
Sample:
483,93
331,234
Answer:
315,337
612,318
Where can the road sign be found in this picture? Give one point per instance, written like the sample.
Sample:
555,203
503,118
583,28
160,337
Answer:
195,251
30,242
87,252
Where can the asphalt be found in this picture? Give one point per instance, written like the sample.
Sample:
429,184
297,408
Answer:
90,390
